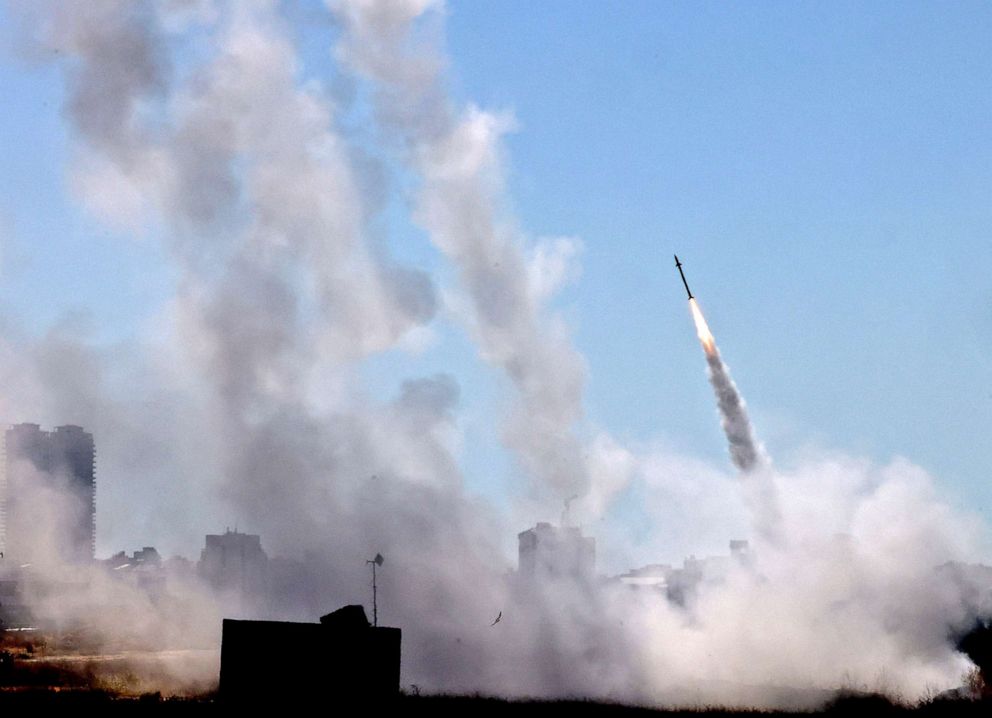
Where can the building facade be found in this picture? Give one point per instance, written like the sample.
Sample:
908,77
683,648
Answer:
547,551
233,561
49,494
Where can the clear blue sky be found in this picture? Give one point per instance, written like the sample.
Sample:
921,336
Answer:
823,169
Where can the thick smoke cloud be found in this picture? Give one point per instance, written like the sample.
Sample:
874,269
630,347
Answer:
455,154
252,408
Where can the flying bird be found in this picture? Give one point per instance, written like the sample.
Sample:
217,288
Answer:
497,619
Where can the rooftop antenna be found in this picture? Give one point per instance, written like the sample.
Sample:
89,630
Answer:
377,561
565,514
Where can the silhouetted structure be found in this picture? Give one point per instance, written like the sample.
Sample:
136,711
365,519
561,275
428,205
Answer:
147,557
976,643
13,612
234,561
547,551
652,576
341,658
680,584
49,501
143,569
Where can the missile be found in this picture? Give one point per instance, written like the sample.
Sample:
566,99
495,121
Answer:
682,274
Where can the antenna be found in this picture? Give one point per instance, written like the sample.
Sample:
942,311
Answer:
377,561
565,513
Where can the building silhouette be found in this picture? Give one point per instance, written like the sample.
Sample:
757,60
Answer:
547,551
49,494
680,585
234,562
339,661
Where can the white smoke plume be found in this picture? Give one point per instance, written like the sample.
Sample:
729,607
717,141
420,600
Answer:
455,154
745,451
252,403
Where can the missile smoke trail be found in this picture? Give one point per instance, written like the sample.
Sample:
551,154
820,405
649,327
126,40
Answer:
745,451
198,123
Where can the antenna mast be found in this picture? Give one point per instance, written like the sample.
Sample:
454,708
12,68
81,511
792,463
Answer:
565,515
377,561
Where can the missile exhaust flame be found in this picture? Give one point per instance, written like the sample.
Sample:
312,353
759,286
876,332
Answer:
746,451
702,329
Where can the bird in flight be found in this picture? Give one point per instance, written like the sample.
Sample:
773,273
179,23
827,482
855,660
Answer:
497,619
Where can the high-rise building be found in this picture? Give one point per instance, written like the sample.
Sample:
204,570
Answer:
234,561
547,551
49,496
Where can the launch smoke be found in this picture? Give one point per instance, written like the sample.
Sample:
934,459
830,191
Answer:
198,123
745,451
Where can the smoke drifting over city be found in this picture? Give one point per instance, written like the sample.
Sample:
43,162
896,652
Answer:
194,125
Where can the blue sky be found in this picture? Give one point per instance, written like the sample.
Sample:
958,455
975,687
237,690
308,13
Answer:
824,170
